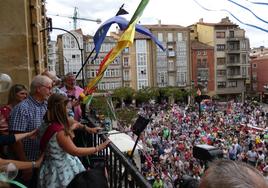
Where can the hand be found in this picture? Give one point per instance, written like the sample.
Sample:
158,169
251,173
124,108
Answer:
104,145
75,102
33,134
39,161
95,129
75,126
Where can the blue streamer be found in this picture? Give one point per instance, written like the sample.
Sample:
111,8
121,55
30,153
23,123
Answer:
257,3
244,23
248,10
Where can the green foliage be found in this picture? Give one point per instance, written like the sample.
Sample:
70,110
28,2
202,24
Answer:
100,104
126,116
123,93
146,94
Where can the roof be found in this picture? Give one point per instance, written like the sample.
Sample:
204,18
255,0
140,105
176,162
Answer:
164,26
224,22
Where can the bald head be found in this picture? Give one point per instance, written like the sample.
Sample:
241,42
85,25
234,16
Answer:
232,174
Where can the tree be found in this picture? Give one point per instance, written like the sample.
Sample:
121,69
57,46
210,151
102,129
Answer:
123,93
146,94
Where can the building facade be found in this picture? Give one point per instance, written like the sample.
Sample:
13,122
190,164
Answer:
231,59
171,67
203,70
70,52
52,64
258,73
112,78
23,47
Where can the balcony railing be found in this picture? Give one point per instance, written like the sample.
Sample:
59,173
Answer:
122,173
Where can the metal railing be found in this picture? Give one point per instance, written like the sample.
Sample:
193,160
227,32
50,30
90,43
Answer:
122,172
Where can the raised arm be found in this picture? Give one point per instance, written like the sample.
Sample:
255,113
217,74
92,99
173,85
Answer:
68,146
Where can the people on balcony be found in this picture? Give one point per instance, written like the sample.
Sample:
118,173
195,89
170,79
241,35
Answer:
27,116
61,162
73,91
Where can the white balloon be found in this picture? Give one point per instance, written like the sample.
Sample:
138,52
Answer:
5,82
8,171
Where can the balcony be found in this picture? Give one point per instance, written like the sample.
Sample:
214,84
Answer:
171,53
234,76
233,63
120,169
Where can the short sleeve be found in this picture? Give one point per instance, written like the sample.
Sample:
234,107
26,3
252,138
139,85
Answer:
18,119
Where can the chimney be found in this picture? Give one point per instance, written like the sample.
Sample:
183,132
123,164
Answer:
159,22
201,20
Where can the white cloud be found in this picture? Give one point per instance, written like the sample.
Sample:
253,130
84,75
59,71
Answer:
180,12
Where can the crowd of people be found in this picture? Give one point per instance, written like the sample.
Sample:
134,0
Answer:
37,128
239,130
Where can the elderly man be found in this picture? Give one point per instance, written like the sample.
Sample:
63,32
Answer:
27,116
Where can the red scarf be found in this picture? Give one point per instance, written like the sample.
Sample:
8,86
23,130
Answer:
51,130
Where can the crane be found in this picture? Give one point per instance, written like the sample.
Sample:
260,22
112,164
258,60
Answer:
75,18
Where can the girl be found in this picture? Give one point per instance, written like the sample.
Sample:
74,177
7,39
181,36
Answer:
61,163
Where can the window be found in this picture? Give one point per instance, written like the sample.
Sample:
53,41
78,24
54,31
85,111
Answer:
204,52
198,52
170,37
160,37
126,74
254,65
232,84
126,50
202,75
220,47
220,35
221,84
221,61
202,63
125,61
179,35
231,34
181,78
221,72
72,44
244,71
244,58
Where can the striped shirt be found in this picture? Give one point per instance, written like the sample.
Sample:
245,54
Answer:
27,116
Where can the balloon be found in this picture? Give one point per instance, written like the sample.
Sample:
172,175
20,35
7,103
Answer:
8,171
5,82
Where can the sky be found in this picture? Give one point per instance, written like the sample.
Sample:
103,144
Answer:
250,15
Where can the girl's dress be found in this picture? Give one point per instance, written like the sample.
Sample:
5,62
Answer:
58,167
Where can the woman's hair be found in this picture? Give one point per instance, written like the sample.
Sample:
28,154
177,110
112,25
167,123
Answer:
57,111
13,91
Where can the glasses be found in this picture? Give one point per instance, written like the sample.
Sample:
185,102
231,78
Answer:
48,87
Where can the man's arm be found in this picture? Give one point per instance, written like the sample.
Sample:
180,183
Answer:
17,125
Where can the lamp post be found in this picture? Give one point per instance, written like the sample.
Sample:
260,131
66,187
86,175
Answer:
79,47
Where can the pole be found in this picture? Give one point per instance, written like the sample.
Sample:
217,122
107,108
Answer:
132,152
83,64
79,47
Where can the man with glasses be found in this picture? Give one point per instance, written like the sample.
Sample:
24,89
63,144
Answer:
27,116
